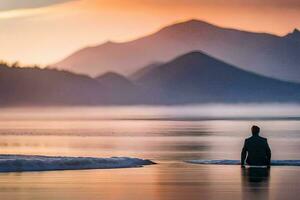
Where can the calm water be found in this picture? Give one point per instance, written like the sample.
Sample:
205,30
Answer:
165,135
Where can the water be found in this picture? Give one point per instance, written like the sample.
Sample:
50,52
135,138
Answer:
166,135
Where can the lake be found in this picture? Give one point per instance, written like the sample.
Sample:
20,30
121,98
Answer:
166,135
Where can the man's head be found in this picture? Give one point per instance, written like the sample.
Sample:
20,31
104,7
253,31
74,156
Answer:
255,130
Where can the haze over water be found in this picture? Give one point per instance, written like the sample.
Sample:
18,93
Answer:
166,135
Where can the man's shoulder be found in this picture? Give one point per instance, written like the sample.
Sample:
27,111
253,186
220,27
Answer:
255,138
262,138
248,139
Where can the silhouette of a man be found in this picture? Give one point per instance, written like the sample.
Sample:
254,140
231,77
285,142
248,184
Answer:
256,149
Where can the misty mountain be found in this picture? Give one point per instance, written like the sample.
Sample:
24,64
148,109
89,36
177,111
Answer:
197,77
266,54
191,78
114,80
121,89
35,86
141,72
46,86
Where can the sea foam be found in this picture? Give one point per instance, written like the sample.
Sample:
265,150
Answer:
20,163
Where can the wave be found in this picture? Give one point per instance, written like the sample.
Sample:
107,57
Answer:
21,163
237,162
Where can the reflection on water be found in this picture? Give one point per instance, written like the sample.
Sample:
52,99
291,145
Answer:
166,181
168,136
255,183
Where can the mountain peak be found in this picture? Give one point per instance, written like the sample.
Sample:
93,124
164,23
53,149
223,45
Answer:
295,35
296,31
109,75
189,25
195,21
193,66
113,79
195,56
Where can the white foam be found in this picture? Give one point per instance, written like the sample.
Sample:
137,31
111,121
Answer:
237,162
20,163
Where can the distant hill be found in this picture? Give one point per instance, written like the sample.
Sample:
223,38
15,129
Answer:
35,86
121,89
191,78
45,86
139,73
266,54
115,80
196,77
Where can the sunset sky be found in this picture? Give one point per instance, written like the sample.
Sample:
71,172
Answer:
45,31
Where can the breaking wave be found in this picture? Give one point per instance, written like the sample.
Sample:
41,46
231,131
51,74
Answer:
20,163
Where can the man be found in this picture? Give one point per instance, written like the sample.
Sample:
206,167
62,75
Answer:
256,149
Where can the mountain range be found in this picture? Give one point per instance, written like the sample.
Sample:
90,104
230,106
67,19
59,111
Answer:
196,77
191,78
35,86
262,53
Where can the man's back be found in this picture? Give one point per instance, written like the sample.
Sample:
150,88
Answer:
257,151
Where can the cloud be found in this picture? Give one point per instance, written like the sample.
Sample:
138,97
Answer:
7,5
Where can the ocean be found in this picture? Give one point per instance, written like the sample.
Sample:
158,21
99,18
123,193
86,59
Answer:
167,135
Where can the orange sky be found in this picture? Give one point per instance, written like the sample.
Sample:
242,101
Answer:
45,33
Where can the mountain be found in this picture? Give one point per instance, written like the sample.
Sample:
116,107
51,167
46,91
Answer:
45,86
121,89
196,77
35,86
136,75
266,54
295,35
188,79
112,79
